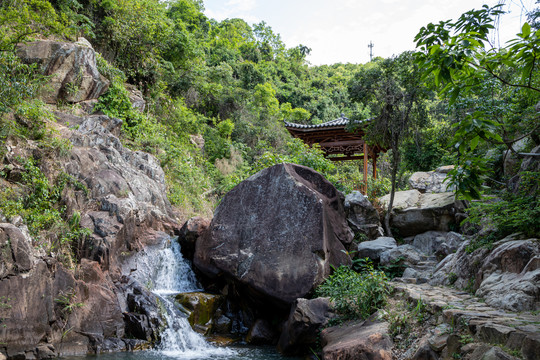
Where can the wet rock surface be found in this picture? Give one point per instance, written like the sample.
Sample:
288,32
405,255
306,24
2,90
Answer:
276,235
201,308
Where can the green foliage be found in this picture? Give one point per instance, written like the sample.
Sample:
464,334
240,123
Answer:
301,154
465,65
18,81
38,204
356,295
511,213
21,19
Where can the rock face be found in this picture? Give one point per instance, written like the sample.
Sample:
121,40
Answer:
362,216
415,213
40,301
432,181
276,234
301,330
72,67
127,191
366,340
507,277
50,310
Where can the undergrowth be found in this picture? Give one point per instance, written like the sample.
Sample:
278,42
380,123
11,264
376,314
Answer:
37,201
511,213
356,295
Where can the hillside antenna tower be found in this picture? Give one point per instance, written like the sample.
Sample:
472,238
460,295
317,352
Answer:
370,46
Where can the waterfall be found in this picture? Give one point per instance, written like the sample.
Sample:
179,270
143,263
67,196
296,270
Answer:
166,273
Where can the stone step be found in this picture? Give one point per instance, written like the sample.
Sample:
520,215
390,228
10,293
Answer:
519,332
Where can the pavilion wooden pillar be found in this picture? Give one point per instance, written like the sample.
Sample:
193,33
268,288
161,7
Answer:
365,168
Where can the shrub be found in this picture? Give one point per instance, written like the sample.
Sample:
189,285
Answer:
356,295
18,81
512,213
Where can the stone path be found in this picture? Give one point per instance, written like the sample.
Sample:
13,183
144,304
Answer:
518,332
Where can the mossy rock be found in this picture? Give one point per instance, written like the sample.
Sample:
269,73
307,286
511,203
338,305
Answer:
201,308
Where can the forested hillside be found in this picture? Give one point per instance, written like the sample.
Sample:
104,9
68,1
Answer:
232,84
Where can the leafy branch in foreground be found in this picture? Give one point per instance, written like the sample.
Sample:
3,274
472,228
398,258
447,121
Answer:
465,64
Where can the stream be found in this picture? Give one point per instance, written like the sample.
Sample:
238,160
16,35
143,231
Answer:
164,271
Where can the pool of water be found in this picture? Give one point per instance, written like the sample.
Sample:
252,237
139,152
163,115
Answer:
229,353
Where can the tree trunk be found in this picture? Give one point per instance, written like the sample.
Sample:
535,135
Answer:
395,165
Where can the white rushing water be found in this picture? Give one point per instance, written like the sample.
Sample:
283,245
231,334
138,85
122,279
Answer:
166,273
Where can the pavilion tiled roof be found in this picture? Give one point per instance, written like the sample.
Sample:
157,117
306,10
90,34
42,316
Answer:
339,123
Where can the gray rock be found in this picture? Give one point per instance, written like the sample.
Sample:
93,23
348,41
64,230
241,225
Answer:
408,253
373,249
438,242
366,340
74,76
410,273
487,352
432,181
127,188
276,234
416,213
362,216
16,252
402,199
190,233
302,328
508,277
136,98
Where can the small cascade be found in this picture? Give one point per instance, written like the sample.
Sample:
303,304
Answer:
165,272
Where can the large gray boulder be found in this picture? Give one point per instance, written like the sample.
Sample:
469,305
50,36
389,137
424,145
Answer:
72,68
362,215
415,213
276,234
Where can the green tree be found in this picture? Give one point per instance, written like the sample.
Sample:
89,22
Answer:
394,92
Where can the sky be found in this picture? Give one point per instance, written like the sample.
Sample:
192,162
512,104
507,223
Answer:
339,31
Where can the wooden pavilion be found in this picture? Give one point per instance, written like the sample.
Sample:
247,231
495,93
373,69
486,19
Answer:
339,144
